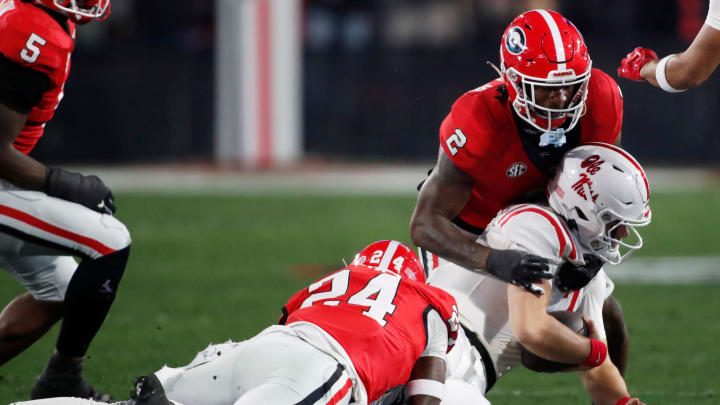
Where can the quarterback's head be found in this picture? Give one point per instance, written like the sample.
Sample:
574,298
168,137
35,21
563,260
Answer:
392,256
80,11
603,193
546,68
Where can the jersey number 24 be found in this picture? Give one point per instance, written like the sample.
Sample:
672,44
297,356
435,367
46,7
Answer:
383,286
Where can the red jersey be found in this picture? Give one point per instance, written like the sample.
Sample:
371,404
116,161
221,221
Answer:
32,38
377,317
481,137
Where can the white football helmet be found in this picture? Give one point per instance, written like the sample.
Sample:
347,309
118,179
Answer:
598,188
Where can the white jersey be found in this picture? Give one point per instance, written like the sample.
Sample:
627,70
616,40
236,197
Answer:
483,299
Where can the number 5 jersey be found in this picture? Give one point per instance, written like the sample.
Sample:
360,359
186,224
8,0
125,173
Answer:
35,48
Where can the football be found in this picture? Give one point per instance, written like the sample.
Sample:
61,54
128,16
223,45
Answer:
572,320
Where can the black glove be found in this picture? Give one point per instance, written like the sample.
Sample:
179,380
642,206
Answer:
89,191
570,277
518,268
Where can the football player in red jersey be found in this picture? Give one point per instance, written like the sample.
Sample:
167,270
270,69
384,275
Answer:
47,214
501,142
679,72
347,338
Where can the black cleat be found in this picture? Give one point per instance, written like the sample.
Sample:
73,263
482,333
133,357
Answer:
148,391
66,385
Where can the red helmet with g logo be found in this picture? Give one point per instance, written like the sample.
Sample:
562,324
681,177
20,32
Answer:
80,11
543,48
392,256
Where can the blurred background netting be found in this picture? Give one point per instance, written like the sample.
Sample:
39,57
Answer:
377,78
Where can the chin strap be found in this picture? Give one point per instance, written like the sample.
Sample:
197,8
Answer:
492,65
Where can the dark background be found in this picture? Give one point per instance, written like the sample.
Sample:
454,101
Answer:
379,76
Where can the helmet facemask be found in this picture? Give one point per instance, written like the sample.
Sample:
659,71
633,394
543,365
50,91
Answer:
599,231
544,118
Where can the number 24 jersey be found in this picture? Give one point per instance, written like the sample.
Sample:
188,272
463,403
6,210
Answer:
377,317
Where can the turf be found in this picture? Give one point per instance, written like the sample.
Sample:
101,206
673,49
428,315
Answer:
210,268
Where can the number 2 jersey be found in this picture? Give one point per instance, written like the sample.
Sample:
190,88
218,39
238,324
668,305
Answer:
382,322
35,49
486,140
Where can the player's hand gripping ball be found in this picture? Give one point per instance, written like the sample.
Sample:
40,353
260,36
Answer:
572,320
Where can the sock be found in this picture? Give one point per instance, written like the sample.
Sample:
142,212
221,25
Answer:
89,296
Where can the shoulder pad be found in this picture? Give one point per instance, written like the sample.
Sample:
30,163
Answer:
31,37
538,230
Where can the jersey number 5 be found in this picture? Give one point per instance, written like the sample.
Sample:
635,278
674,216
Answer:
455,141
31,52
383,286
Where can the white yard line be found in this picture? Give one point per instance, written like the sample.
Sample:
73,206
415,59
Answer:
329,179
667,270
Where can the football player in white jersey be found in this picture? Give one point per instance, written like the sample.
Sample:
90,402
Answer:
679,72
597,198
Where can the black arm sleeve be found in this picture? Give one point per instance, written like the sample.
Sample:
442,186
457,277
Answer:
21,88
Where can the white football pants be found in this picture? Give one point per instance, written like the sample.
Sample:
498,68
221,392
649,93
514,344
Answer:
275,368
40,234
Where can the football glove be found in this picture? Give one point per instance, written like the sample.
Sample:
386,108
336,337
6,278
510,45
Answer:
571,277
634,61
89,191
518,268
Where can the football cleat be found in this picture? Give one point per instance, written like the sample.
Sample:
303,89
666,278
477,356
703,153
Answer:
148,391
66,385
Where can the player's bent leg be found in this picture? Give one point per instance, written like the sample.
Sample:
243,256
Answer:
617,333
62,227
207,380
308,375
23,321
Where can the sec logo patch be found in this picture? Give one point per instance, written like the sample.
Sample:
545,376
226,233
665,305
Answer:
516,170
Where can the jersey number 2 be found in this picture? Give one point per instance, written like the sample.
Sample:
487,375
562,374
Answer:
31,52
383,286
456,141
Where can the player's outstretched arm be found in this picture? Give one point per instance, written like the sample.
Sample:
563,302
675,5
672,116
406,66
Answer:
545,336
676,72
441,199
606,386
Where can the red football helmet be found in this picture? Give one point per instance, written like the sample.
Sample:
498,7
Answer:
392,256
543,48
81,11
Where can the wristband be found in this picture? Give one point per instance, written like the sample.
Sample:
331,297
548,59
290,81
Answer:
660,75
598,352
425,387
623,401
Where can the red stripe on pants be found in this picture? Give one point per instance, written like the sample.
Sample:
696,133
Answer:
44,226
340,394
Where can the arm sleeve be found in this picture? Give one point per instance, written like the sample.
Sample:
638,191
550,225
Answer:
713,17
21,88
592,301
437,331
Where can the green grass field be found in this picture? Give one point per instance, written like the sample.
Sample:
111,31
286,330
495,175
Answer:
211,268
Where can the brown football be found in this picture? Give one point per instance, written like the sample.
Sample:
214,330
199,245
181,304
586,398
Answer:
572,320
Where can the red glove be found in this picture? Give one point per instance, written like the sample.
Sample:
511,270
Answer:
634,61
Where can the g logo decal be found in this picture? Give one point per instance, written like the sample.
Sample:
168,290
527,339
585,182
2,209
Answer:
515,41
